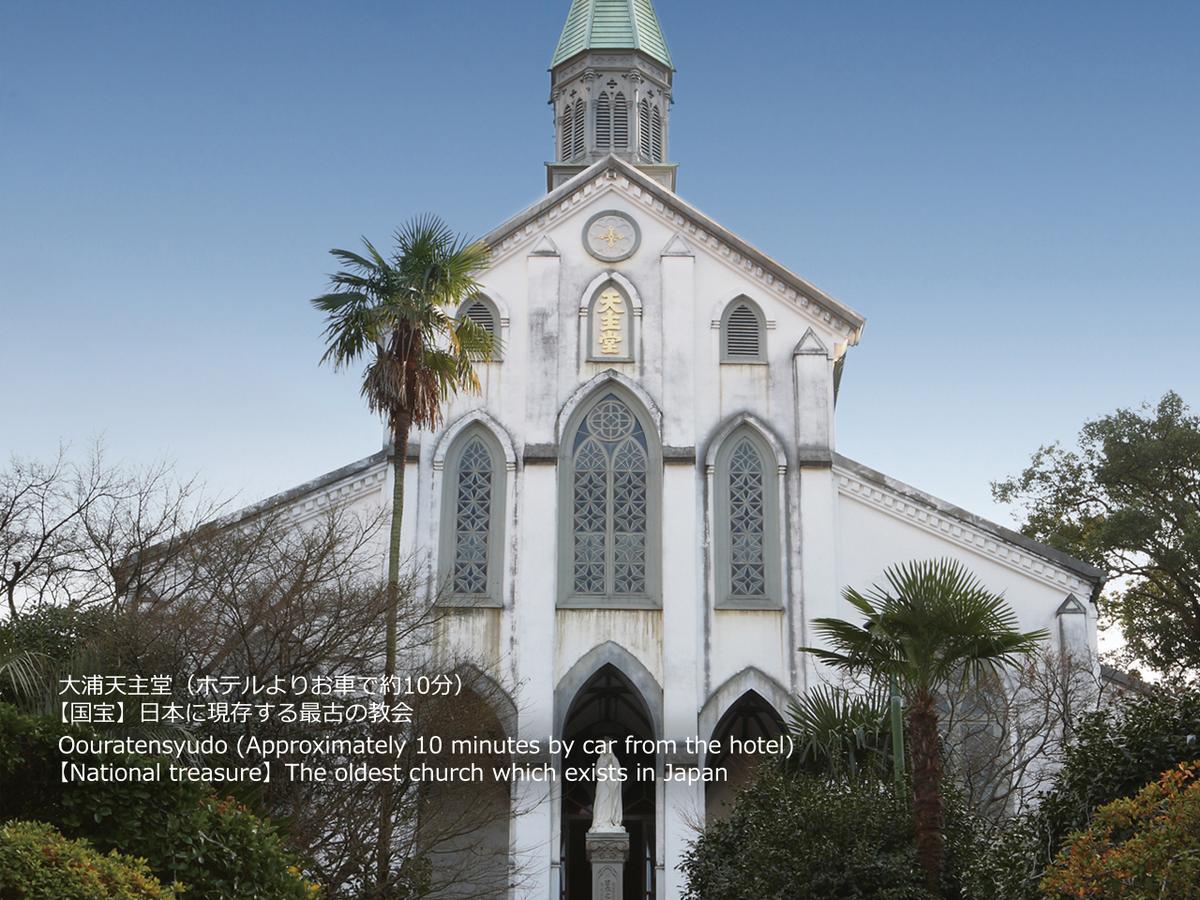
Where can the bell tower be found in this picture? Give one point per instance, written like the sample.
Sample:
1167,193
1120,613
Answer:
610,89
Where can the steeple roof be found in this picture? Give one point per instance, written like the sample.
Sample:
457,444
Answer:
612,25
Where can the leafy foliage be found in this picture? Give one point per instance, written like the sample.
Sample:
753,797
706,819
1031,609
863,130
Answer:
801,837
398,311
37,861
1128,501
1114,752
933,624
216,847
1147,845
840,733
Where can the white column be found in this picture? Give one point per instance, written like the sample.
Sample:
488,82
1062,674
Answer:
683,557
820,592
545,343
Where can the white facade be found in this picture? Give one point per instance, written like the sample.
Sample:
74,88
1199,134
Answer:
682,645
837,523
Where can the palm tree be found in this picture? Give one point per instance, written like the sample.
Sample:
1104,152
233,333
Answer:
397,313
931,624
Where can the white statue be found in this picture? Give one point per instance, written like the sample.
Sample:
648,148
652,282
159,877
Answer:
607,812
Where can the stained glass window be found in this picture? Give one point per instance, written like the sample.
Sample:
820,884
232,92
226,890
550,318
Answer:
747,522
472,518
609,502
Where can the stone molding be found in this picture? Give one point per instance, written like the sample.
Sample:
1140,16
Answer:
603,847
696,229
956,530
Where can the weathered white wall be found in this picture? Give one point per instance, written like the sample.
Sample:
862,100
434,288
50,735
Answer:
838,526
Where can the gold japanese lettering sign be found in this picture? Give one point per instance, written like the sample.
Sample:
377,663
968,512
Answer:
610,317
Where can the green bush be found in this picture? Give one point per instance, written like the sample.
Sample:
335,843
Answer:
795,837
217,847
1113,753
38,863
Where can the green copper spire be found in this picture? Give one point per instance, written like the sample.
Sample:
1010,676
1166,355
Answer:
612,25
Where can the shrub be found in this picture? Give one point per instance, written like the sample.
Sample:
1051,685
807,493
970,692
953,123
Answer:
800,837
36,861
1147,845
1113,753
217,847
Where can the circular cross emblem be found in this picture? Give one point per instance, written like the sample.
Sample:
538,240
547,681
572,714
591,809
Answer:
611,236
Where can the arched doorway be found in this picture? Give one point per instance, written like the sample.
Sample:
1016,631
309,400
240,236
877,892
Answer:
464,825
749,718
609,707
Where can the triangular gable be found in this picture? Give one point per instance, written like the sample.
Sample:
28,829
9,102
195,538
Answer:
614,174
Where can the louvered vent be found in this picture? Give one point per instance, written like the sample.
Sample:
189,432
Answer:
604,122
743,334
620,123
564,135
656,137
644,129
484,316
579,116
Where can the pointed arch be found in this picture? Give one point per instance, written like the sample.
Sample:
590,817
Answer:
589,388
751,421
749,680
629,666
628,308
487,688
482,310
485,420
743,332
475,466
745,468
610,502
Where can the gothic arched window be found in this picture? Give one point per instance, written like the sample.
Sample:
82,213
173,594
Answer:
611,483
747,522
473,518
743,332
656,136
482,312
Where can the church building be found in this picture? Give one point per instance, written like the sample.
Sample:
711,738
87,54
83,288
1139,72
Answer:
636,520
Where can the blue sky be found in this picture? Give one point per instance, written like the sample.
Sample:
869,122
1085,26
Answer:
1009,192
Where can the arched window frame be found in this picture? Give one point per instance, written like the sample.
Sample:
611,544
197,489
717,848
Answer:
632,313
492,596
773,471
740,359
483,300
651,598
